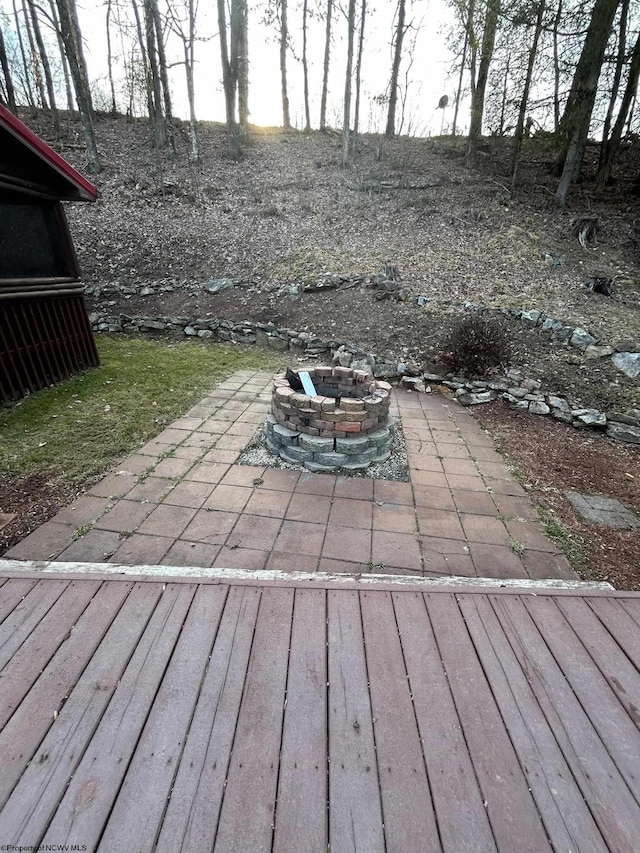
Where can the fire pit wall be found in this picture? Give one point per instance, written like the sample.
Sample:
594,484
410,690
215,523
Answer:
345,425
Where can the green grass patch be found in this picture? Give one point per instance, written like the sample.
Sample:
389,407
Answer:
572,545
81,427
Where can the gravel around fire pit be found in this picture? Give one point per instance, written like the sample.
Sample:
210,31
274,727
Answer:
396,467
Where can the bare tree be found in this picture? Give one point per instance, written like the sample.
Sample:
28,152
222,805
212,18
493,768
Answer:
35,57
325,67
239,61
305,66
63,57
478,88
524,100
356,116
346,147
556,68
611,146
148,74
617,75
574,126
284,39
110,60
46,67
467,15
8,80
164,75
28,91
72,38
156,115
395,71
229,83
183,24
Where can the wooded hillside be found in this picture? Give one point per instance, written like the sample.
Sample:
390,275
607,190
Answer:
567,69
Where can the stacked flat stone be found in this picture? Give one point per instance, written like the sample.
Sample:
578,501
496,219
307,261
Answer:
344,426
353,402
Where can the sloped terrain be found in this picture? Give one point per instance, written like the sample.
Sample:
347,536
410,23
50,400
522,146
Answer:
287,216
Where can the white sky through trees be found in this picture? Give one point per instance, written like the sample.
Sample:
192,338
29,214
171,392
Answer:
429,72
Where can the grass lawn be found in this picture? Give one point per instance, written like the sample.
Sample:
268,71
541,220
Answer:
80,428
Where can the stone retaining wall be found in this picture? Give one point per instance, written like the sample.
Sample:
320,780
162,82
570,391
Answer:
622,426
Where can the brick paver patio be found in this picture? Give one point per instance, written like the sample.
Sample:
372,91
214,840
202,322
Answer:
182,500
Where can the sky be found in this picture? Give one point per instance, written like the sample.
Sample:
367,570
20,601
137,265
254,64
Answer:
429,72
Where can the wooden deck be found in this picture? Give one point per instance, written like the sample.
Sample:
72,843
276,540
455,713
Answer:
140,715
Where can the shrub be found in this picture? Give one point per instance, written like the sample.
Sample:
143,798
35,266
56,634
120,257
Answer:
476,345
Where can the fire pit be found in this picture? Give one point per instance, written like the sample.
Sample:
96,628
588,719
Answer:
345,424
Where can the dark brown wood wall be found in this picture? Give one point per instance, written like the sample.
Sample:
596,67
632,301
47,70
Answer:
45,337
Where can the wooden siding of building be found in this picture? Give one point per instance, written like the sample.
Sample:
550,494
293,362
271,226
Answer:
180,716
45,337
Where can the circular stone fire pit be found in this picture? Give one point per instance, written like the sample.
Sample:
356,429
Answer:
345,425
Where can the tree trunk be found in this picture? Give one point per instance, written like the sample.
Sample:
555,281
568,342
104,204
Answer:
193,124
72,37
35,58
503,106
189,66
229,85
325,67
186,32
395,71
46,67
239,61
63,57
620,61
8,80
574,126
356,117
164,76
110,61
460,78
157,117
25,64
478,93
556,69
632,111
346,148
305,68
151,109
613,143
524,100
284,38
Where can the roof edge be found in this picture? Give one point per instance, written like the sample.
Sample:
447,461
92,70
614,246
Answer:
87,191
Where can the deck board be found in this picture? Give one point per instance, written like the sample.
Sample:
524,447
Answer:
22,735
195,716
138,810
401,764
461,815
512,812
28,614
302,784
623,630
355,808
565,813
612,804
34,654
253,770
619,672
13,594
32,804
192,814
88,800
